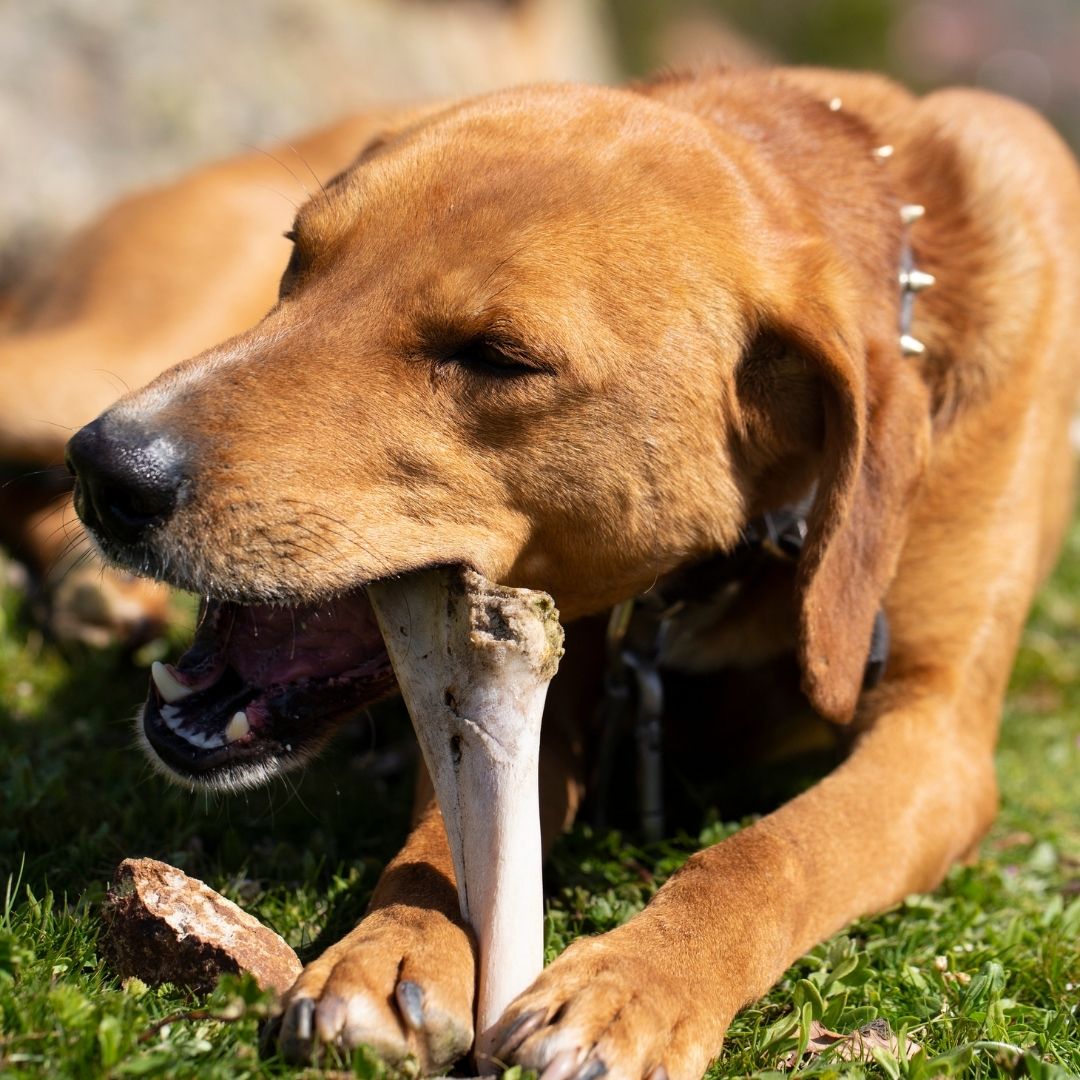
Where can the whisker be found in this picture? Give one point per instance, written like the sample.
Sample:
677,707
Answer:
51,423
112,374
45,471
277,161
307,165
277,191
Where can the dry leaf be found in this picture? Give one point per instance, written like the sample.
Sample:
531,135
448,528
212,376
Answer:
855,1046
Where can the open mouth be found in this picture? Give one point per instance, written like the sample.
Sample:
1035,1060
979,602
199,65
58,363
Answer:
263,687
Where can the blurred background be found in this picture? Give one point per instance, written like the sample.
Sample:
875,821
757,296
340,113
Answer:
98,98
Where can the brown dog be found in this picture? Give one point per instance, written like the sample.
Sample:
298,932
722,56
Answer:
578,339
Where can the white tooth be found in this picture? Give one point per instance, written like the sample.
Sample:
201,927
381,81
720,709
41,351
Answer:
237,727
172,717
201,740
169,687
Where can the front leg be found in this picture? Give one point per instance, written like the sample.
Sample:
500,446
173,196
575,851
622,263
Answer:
403,981
654,997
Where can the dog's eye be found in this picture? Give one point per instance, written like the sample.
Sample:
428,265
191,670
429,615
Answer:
484,357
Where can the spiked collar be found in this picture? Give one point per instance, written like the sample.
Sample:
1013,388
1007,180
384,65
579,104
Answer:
912,281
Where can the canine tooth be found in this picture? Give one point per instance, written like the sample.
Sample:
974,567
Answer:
911,212
883,152
168,686
836,104
237,727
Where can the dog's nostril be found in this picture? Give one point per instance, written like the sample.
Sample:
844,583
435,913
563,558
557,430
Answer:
131,510
128,480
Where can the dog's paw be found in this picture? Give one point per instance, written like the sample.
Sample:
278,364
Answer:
99,606
402,983
609,1008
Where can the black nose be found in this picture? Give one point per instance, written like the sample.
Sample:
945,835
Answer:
128,480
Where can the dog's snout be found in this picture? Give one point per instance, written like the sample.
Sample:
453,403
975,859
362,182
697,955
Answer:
128,480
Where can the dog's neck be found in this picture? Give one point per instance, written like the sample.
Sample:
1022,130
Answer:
641,628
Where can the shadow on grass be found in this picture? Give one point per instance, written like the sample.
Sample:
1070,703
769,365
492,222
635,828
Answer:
77,795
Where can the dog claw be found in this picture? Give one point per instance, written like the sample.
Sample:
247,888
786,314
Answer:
305,1013
329,1018
410,1000
592,1069
296,1030
519,1031
562,1066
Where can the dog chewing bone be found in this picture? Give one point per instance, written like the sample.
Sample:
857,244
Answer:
473,660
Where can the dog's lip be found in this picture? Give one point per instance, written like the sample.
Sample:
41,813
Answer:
295,732
262,685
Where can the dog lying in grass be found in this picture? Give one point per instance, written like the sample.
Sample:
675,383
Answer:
588,341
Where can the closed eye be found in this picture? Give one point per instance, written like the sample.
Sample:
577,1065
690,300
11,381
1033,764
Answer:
494,359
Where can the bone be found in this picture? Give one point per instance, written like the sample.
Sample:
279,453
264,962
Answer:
473,660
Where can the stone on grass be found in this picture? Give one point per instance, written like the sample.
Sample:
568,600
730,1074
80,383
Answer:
163,926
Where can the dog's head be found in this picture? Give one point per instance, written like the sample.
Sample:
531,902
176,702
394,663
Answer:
571,337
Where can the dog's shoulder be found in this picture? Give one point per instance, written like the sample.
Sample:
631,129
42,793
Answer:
1002,235
1001,190
1001,231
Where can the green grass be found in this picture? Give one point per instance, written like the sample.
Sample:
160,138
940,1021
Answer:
984,973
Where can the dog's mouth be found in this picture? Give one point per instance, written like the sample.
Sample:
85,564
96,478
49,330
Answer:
263,687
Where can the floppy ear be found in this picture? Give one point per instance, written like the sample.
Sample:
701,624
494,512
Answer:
876,433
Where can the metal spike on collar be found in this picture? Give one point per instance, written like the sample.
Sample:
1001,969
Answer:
912,282
911,346
916,280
